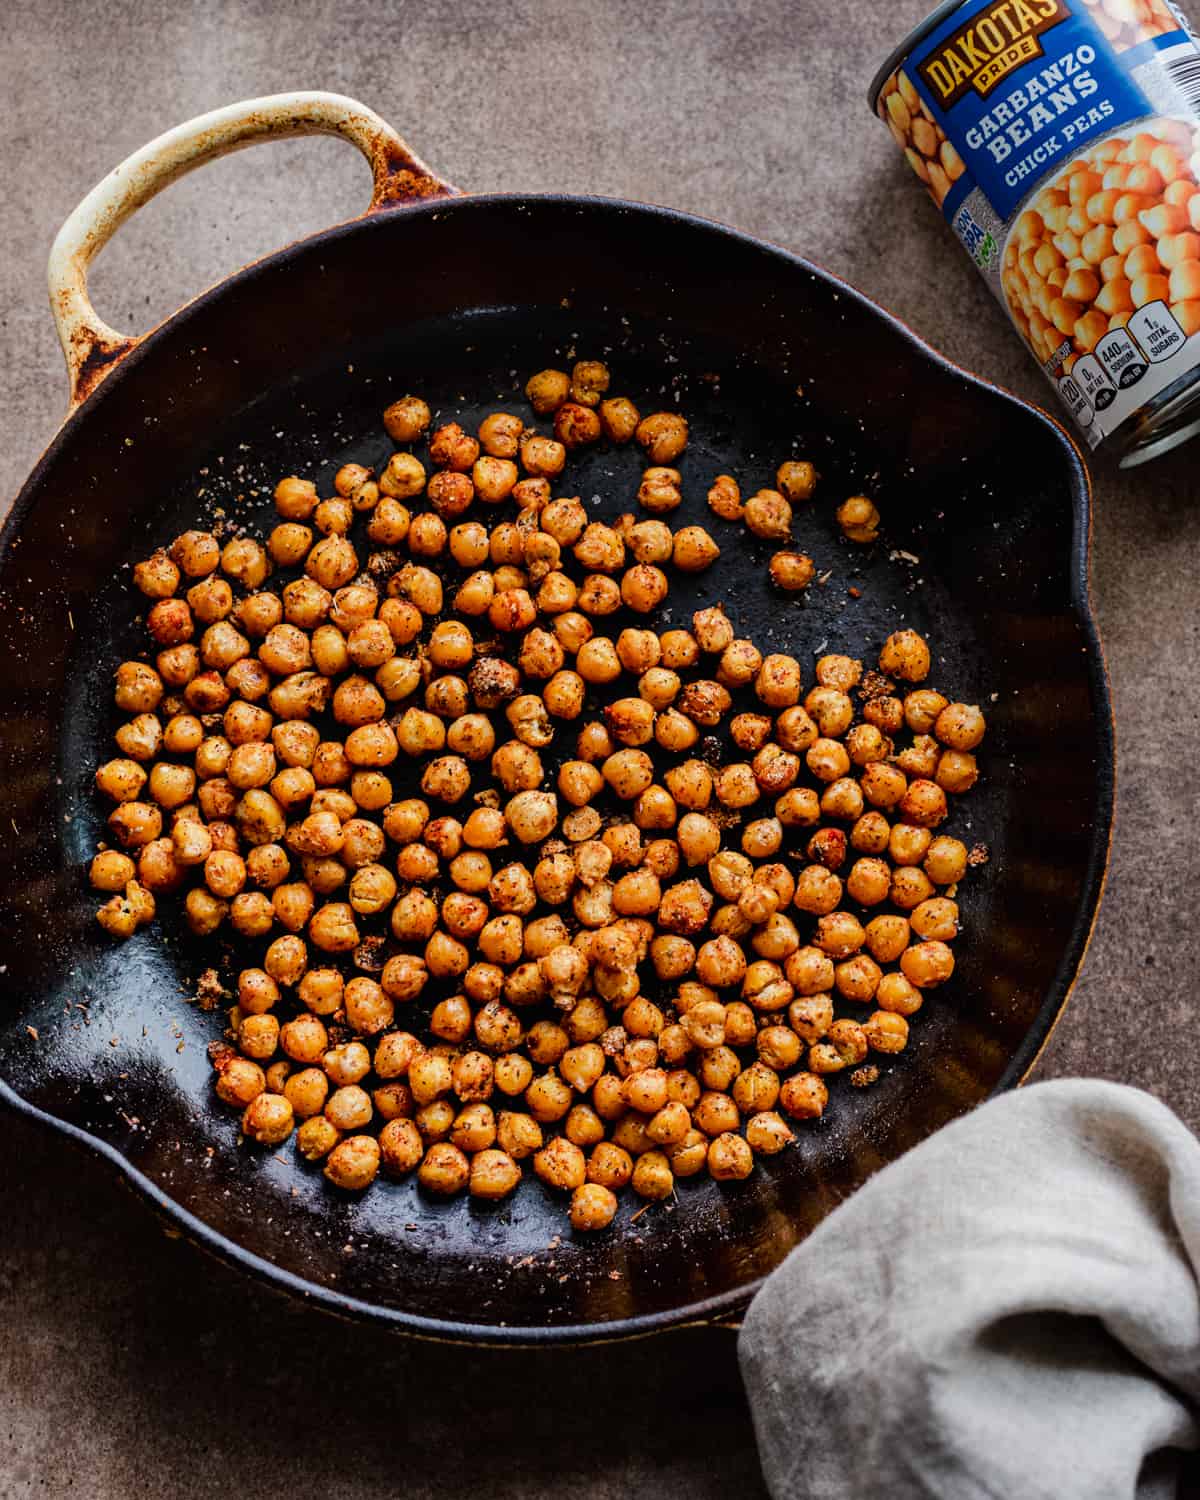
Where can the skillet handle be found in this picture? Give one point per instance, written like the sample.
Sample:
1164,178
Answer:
91,347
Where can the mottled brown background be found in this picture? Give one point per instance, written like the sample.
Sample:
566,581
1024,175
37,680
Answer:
129,1364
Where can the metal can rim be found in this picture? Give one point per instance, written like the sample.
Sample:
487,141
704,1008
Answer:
902,49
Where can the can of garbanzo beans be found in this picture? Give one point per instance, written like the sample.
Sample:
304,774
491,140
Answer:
1061,140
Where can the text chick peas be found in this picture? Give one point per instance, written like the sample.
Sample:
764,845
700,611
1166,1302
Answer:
507,912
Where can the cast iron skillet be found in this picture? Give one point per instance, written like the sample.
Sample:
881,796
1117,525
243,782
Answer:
286,366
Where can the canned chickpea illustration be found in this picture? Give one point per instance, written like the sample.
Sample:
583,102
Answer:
1061,141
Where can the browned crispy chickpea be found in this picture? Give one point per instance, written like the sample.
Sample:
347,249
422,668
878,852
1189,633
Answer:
729,1158
663,435
170,622
157,576
547,390
827,759
295,499
400,1147
212,599
886,713
197,553
389,523
493,1174
858,518
887,937
576,425
561,1164
869,881
593,1207
245,561
122,780
725,498
818,890
828,847
694,550
619,419
792,571
924,804
451,448
316,1138
957,771
768,515
960,726
905,655
921,757
804,1096
597,660
831,710
927,964
936,917
139,688
405,420
542,457
910,886
445,1169
178,666
767,1133
946,860
332,562
659,491
797,479
239,1081
500,434
883,785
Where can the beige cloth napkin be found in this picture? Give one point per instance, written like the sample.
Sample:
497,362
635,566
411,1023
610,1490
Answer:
1010,1311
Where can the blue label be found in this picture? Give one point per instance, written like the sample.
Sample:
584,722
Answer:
1017,85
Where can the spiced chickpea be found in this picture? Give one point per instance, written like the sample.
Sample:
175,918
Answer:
500,433
791,571
444,1170
197,553
927,964
858,517
407,419
547,390
334,517
905,655
389,522
767,514
910,886
886,937
886,713
804,1096
924,803
659,491
945,860
725,498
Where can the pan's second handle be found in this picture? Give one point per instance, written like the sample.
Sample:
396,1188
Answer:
91,347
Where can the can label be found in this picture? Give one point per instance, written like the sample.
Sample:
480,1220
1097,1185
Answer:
1061,140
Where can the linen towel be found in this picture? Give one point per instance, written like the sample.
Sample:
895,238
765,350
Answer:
1010,1311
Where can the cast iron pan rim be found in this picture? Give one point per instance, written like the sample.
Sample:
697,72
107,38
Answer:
724,1304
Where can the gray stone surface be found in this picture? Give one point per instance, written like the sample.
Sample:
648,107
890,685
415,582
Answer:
127,1362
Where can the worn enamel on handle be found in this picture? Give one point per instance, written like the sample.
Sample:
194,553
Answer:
91,347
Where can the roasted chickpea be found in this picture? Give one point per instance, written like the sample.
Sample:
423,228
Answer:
792,571
663,435
797,479
804,1096
859,519
197,553
905,655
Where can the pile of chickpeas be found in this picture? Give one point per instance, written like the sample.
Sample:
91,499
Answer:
923,141
1119,229
636,963
1128,23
